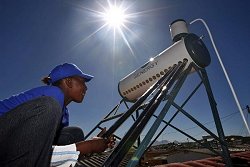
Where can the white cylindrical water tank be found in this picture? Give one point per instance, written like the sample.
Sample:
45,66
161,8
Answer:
178,29
136,83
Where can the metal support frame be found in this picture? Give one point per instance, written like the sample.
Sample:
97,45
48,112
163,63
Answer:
225,151
118,154
170,101
135,130
145,142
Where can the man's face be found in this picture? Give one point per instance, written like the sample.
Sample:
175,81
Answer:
78,89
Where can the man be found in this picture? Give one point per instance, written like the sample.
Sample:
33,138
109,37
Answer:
32,121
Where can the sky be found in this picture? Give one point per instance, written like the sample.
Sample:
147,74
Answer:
37,35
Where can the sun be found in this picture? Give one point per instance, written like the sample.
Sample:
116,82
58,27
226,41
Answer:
114,16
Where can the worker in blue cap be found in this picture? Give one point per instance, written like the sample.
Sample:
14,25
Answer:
32,121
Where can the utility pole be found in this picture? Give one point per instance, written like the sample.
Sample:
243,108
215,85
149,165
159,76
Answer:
248,109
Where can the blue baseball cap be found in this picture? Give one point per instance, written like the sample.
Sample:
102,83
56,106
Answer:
67,70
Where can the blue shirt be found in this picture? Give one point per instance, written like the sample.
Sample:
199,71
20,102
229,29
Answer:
52,91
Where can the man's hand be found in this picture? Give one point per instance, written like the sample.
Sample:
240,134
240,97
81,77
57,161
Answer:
110,142
96,144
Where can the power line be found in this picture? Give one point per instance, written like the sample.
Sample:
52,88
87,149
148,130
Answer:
248,109
204,123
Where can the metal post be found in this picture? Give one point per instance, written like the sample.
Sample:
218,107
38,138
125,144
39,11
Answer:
138,140
225,151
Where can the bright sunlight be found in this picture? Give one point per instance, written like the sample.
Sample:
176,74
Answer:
114,17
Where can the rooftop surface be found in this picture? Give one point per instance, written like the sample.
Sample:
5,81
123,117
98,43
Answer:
240,159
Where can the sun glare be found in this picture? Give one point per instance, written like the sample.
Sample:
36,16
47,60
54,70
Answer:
114,17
